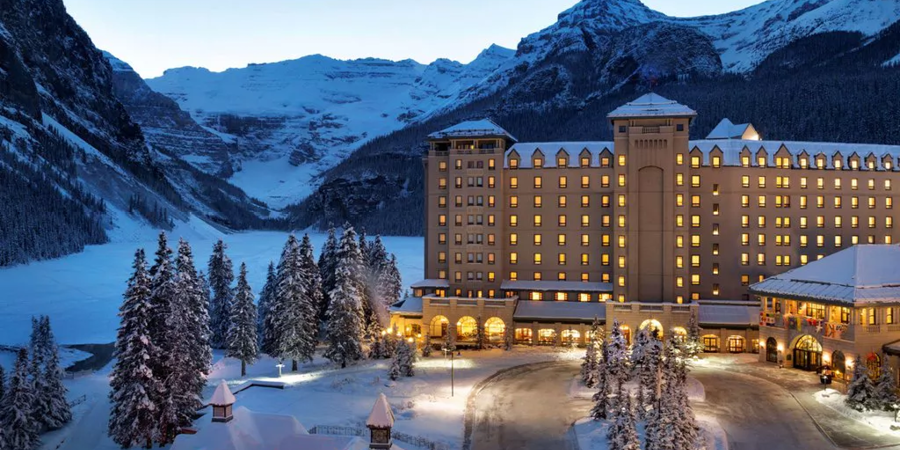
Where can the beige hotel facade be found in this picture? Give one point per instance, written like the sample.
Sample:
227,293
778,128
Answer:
647,229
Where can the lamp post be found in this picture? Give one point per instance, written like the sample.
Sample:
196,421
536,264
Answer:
280,366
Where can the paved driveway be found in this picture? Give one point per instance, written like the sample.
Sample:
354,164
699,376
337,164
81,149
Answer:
526,407
755,413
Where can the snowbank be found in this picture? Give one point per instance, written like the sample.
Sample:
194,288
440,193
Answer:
880,420
591,435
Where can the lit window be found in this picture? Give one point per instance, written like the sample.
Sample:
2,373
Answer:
563,182
538,182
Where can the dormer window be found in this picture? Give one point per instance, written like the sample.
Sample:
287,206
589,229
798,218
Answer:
538,162
804,163
513,163
562,161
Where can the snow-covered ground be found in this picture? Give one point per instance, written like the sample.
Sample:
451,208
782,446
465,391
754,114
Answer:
82,292
882,421
592,435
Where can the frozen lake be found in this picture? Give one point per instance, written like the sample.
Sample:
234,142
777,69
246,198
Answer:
82,292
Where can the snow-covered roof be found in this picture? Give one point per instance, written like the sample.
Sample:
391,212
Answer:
892,348
550,149
651,105
559,311
410,306
722,314
250,430
859,274
431,282
472,128
728,130
381,415
551,285
222,396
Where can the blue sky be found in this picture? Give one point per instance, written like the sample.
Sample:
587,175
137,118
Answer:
154,35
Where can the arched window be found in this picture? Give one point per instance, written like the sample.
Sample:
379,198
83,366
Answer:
546,336
494,328
839,365
439,325
680,334
771,350
873,364
652,325
570,336
466,329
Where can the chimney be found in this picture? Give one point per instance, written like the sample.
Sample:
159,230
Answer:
222,402
380,422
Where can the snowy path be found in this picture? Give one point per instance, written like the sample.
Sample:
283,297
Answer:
526,407
91,429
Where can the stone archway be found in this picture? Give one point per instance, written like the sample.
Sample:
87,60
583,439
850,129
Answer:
807,353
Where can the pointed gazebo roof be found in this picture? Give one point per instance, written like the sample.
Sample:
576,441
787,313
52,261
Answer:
381,415
222,396
651,105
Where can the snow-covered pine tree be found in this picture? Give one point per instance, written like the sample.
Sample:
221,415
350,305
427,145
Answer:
395,371
860,392
346,319
51,410
312,296
641,339
376,349
38,351
426,345
366,277
448,345
289,309
885,393
622,434
263,306
377,255
327,267
693,344
190,363
242,342
20,431
221,275
590,363
2,384
685,419
166,331
600,411
479,333
388,286
617,355
408,361
134,389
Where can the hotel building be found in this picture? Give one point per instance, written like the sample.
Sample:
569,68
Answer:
646,229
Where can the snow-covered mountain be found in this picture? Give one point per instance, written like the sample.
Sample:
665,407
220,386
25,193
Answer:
292,119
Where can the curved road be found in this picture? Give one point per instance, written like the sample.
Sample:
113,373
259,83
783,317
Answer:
526,407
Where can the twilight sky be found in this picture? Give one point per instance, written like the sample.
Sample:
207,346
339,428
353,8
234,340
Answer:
154,35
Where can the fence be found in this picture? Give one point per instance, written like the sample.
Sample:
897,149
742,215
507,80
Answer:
334,430
79,374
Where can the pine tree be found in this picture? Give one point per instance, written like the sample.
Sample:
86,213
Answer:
38,349
346,320
221,275
388,285
327,268
693,345
395,371
2,384
408,358
51,410
448,345
622,434
20,431
600,411
134,389
266,297
590,363
289,310
885,393
860,392
312,296
479,334
242,342
617,355
376,350
426,346
166,331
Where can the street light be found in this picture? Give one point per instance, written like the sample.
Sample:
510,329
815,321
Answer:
280,366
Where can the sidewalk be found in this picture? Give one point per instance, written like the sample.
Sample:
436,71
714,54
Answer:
842,431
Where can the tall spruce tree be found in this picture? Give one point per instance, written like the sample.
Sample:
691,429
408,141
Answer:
622,434
692,345
289,309
589,364
327,267
617,355
20,430
312,295
51,410
600,410
345,327
242,341
166,328
134,388
190,318
38,351
388,287
221,276
264,305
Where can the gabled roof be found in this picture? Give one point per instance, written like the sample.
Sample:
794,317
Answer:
472,128
222,396
526,152
381,415
859,274
727,130
651,105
